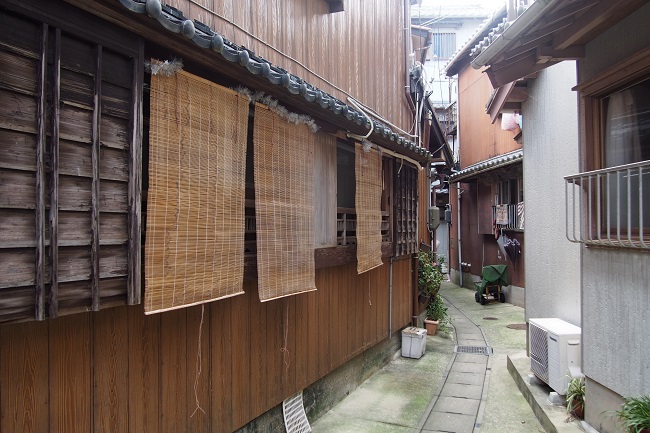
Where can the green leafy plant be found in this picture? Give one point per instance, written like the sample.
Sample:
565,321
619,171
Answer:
635,414
429,274
575,396
437,311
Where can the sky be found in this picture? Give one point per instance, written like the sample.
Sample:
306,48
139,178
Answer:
489,4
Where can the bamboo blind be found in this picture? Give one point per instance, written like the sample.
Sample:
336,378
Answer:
284,205
195,212
368,206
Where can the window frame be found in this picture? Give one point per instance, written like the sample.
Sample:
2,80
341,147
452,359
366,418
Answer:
592,93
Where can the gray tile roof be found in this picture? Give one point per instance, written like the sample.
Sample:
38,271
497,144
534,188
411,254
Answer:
487,165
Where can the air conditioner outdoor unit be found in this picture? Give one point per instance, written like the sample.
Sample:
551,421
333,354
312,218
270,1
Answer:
554,348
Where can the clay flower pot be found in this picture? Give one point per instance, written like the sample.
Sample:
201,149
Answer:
431,326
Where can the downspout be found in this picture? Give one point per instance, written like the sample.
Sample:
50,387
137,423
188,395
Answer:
390,298
460,249
416,313
407,55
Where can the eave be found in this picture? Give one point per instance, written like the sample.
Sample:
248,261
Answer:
240,64
546,33
472,171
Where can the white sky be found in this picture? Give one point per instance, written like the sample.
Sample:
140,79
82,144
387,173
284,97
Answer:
489,4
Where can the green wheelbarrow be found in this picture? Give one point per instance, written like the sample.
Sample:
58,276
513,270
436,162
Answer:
490,287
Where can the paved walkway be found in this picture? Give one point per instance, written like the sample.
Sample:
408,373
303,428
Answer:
446,391
458,405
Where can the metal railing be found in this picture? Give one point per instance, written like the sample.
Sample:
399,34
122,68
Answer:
514,216
607,206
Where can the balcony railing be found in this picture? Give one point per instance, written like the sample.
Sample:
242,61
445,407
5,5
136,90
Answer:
509,216
607,207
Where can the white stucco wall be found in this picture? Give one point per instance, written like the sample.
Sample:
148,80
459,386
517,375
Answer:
550,142
616,282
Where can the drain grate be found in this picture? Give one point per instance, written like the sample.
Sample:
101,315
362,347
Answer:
476,350
490,318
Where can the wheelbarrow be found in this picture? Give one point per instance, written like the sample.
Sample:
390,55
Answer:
494,277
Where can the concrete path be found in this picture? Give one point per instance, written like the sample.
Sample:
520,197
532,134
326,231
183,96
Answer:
445,391
458,405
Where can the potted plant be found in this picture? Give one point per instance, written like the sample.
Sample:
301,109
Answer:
437,316
575,397
635,414
429,277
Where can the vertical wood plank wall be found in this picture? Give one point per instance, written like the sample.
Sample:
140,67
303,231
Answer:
481,138
118,370
360,50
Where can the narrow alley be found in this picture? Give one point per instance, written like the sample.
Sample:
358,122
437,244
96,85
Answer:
446,391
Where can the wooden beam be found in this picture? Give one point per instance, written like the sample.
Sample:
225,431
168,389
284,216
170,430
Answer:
547,30
54,178
95,155
523,67
499,99
41,121
589,21
546,53
134,284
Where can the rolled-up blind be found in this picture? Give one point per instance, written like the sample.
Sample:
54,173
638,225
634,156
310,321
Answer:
194,249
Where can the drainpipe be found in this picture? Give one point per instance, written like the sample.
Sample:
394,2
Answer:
390,298
460,249
415,290
407,55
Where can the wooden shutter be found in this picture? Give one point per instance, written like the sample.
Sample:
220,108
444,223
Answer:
69,170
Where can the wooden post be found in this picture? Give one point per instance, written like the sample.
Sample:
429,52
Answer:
95,155
54,179
135,185
39,286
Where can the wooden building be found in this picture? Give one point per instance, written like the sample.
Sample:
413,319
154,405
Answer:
487,190
96,231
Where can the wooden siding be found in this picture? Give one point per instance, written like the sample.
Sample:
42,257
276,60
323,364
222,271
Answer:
480,138
360,51
67,128
119,370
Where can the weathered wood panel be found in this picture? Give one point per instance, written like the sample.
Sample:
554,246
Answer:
56,94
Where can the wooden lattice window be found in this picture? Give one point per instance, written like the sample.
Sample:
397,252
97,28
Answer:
406,209
69,166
